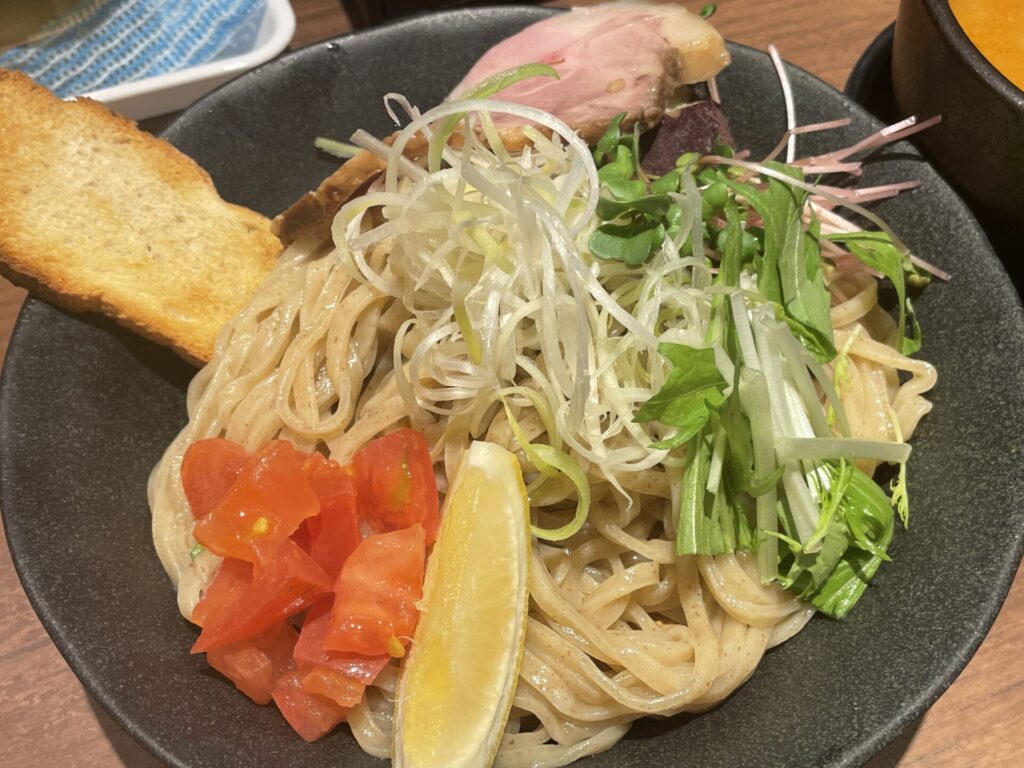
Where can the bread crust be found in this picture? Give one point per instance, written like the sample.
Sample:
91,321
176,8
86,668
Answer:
97,215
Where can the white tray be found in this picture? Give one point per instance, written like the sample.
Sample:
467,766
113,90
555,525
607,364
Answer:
159,95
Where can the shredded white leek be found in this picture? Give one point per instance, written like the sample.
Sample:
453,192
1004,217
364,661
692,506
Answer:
489,257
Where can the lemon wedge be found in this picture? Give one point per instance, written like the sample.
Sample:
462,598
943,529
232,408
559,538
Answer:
459,679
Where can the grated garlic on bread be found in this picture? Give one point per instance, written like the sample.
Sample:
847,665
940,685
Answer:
96,214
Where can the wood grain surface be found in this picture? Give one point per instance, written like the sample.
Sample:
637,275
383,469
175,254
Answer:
47,718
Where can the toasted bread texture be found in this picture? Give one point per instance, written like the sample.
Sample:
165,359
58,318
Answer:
96,214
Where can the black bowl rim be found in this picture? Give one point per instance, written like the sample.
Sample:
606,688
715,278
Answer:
947,24
867,67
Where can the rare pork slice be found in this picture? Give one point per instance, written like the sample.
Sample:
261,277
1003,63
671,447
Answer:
630,57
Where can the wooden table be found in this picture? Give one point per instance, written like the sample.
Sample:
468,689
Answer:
47,718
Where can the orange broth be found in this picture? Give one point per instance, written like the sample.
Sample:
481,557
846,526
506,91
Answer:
996,27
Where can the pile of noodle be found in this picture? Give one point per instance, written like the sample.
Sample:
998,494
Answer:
443,297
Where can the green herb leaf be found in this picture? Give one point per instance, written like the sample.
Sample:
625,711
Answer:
816,568
619,176
777,206
698,532
632,243
789,265
674,220
805,297
667,183
864,511
708,10
868,513
622,188
740,466
714,198
609,140
654,205
899,499
710,523
721,329
688,160
721,148
732,247
830,501
692,391
877,250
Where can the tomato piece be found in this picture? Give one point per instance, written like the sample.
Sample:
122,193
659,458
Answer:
311,716
254,665
208,469
286,581
324,681
396,484
302,535
315,463
374,610
264,505
310,653
232,579
334,533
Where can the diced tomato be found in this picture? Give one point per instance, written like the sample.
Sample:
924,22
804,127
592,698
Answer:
311,716
376,594
254,665
310,652
264,505
302,536
230,582
324,681
288,527
396,483
209,468
334,533
286,581
315,463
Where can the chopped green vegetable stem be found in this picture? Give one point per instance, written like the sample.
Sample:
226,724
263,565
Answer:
336,148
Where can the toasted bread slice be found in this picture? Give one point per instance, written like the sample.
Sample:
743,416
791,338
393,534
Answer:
96,214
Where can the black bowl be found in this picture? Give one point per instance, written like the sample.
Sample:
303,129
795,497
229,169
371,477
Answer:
86,409
870,85
979,146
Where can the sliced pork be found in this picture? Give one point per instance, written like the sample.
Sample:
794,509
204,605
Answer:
627,57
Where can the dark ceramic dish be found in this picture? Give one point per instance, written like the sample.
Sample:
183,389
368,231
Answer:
979,146
86,410
870,80
870,85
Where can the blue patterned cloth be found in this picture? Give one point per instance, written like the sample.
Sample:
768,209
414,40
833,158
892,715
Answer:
115,41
